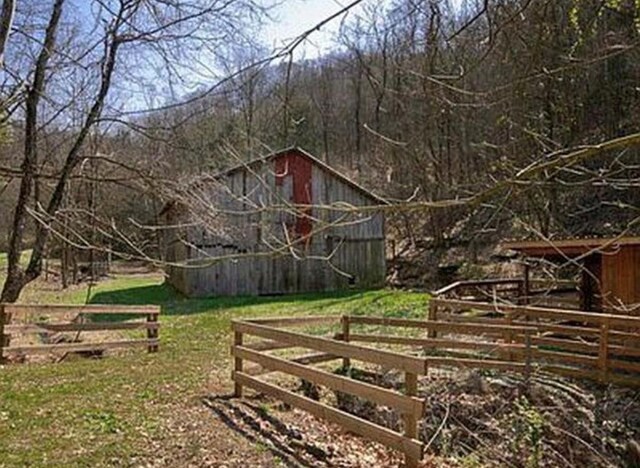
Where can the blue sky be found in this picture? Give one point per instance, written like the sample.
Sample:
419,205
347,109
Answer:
293,17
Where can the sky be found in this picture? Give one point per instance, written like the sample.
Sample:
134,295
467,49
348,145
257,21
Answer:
294,17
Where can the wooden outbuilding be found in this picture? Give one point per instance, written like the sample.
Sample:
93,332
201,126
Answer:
610,268
284,223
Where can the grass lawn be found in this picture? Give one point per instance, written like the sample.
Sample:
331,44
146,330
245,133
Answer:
122,410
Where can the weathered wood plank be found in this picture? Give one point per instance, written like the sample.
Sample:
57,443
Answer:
81,309
541,312
411,448
44,327
71,347
293,321
387,358
434,342
376,394
441,326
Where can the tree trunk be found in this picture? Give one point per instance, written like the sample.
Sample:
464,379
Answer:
16,279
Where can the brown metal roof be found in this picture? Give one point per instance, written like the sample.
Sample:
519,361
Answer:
569,246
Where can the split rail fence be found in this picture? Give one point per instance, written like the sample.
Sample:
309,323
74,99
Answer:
602,347
272,335
85,320
520,339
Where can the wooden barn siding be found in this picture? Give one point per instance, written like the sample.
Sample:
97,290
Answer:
621,276
361,252
175,252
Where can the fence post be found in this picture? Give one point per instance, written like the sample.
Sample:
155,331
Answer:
527,368
603,352
410,419
152,333
432,316
346,362
508,338
237,367
2,338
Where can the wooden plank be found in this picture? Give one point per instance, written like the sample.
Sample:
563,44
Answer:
441,326
571,330
315,358
371,392
615,350
311,358
411,417
476,283
152,332
624,365
349,422
237,366
267,345
75,347
565,357
570,345
375,356
43,327
540,312
476,363
346,362
434,342
3,319
294,321
81,309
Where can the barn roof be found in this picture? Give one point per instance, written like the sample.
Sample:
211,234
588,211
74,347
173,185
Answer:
264,159
568,246
318,162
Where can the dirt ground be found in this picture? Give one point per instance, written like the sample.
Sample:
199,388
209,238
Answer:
472,420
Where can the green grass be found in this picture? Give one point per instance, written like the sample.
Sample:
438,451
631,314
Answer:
91,412
23,258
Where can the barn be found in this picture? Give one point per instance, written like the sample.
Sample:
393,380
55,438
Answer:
281,224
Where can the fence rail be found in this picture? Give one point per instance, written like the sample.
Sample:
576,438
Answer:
602,347
344,345
147,321
517,290
520,339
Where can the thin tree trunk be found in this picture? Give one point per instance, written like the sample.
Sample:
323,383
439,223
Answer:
15,276
6,21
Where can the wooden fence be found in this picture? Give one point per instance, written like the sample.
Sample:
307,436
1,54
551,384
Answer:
83,322
602,347
517,290
343,346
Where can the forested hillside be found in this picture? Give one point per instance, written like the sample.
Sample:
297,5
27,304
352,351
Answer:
466,116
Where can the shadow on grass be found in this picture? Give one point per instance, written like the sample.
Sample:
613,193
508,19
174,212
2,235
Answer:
255,424
173,303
